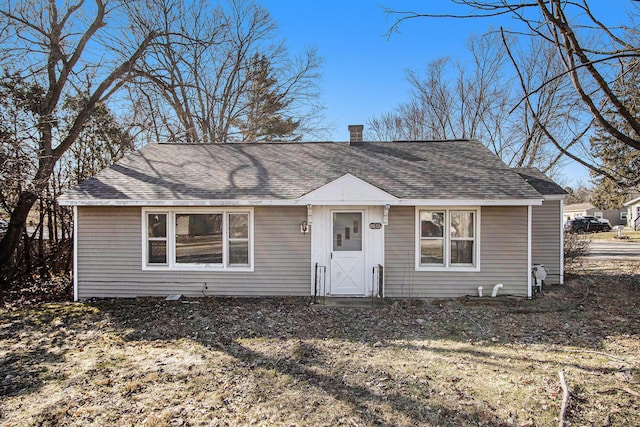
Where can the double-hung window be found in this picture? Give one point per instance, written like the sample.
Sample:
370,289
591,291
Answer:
198,239
446,239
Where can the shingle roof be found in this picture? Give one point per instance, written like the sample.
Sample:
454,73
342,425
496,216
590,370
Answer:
578,207
455,169
541,182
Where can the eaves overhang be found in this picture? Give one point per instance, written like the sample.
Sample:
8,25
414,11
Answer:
299,202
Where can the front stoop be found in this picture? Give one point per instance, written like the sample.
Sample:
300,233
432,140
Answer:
327,302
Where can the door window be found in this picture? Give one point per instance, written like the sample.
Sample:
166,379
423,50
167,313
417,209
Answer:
347,231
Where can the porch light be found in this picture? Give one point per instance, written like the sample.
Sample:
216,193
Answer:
304,227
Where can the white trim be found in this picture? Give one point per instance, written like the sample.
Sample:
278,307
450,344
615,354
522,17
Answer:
172,265
631,202
561,243
297,202
348,189
447,240
75,253
385,215
529,252
555,196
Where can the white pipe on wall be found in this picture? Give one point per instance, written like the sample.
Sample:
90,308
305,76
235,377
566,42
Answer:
495,290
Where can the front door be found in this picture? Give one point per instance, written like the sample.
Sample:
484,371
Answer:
347,255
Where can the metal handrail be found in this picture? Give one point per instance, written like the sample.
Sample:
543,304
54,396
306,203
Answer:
378,279
320,278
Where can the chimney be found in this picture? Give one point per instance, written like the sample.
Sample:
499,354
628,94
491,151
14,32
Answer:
355,135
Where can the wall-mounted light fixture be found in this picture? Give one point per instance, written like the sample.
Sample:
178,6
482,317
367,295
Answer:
304,227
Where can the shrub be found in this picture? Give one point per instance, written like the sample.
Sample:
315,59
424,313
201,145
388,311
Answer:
576,246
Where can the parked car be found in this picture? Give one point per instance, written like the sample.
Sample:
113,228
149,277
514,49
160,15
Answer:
586,225
604,220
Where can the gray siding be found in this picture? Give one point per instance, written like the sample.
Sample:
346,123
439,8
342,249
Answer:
503,257
110,258
545,238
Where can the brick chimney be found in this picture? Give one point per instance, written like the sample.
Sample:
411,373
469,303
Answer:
355,134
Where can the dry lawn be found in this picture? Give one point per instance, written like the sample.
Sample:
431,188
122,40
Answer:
280,362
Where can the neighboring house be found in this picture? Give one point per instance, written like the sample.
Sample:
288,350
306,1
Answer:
401,219
578,210
633,212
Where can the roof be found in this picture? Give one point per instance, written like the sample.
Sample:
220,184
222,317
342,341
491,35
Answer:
245,172
633,200
579,207
541,182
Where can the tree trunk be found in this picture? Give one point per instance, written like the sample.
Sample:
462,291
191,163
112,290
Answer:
18,220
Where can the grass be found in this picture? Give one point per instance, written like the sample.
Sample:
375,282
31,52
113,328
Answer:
279,362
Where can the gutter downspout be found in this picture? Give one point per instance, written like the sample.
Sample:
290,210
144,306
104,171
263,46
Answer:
529,225
561,242
75,253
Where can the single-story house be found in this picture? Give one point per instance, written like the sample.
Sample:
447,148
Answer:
413,219
633,212
578,210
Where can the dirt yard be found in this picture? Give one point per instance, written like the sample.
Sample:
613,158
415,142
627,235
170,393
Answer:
280,362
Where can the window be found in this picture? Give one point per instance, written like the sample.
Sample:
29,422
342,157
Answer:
623,216
198,239
432,237
462,240
447,239
598,214
238,239
157,238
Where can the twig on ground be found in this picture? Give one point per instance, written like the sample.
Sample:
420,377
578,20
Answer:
630,391
474,321
565,398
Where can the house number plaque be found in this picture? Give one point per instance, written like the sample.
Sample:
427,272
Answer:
375,226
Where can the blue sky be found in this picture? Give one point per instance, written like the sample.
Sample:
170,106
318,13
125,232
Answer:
364,70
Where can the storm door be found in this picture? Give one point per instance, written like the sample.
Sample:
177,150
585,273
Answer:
347,255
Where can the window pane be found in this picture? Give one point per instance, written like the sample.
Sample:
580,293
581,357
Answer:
157,225
199,238
238,226
157,252
462,224
431,224
347,231
238,253
432,252
462,252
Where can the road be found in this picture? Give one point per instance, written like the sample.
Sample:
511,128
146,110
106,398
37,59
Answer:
612,249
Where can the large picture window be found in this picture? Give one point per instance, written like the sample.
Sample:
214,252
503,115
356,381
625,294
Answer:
198,238
447,238
202,238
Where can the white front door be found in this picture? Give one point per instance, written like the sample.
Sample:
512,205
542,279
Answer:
347,254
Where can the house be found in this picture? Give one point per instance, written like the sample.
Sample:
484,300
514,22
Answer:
633,212
577,210
547,237
395,219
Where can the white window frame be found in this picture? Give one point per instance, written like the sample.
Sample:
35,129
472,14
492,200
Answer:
448,266
171,239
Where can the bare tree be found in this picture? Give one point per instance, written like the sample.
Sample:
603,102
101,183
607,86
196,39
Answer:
480,99
591,55
201,92
53,45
